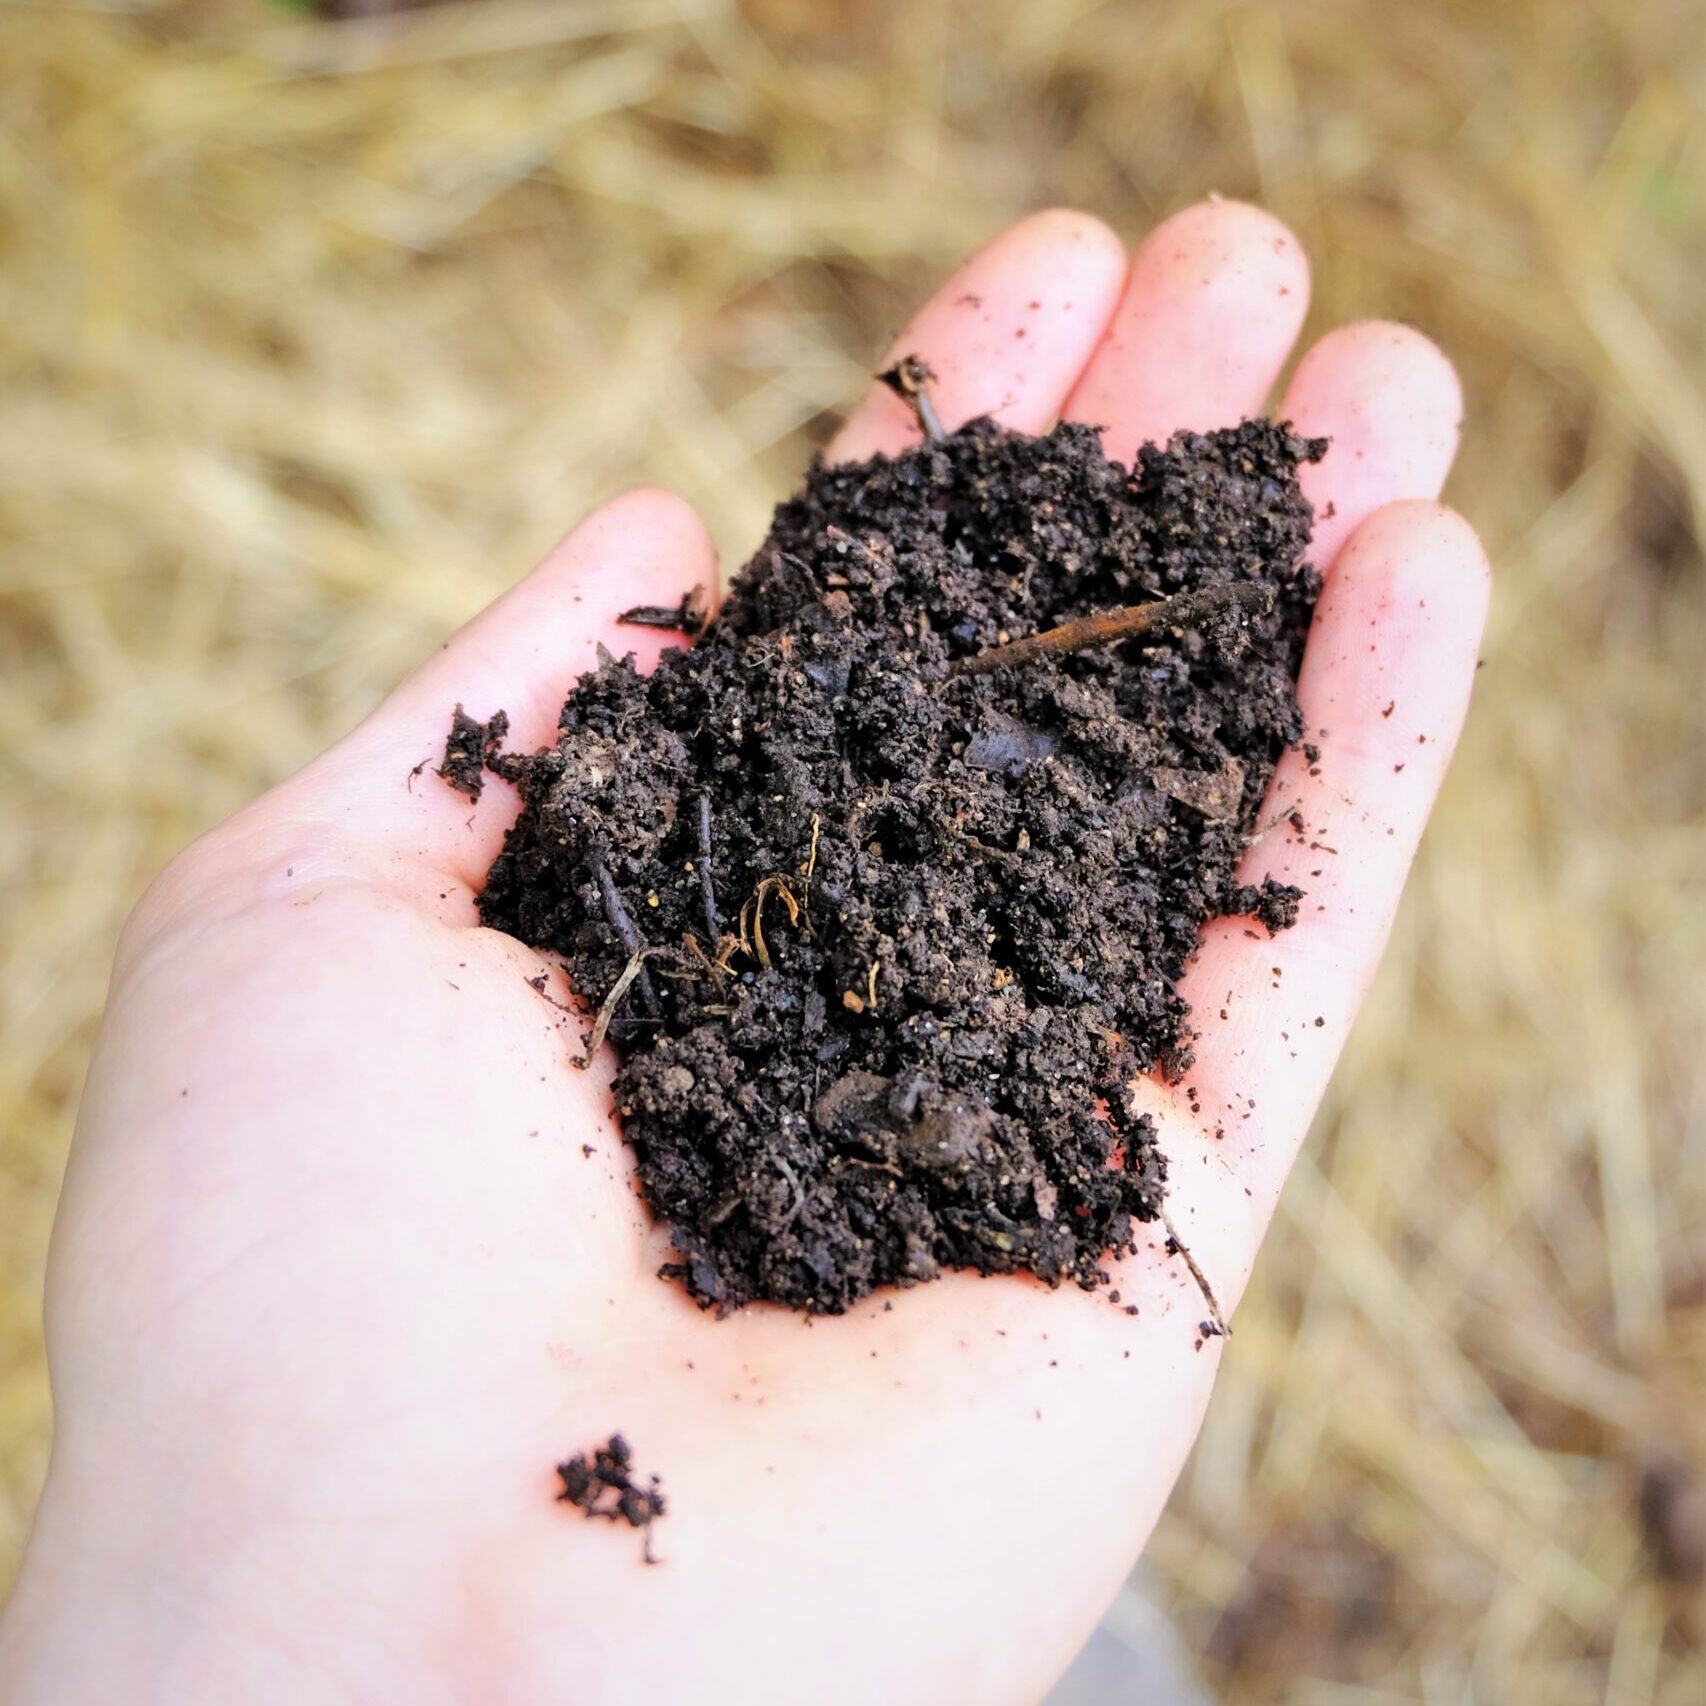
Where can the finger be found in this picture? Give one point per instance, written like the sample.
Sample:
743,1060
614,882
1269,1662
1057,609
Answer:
1007,335
519,655
1385,683
1390,406
1212,306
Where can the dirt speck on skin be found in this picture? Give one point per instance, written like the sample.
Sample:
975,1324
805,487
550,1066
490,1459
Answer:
469,748
600,1484
882,943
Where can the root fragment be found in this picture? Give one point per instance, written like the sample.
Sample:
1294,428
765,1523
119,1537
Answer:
754,909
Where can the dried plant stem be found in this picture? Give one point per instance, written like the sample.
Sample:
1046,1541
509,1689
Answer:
707,887
601,1025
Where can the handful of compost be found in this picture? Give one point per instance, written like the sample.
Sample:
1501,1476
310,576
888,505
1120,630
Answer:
882,888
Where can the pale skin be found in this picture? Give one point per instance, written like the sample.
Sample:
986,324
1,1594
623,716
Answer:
333,1285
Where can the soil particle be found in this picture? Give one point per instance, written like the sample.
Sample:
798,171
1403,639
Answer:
469,748
600,1484
912,931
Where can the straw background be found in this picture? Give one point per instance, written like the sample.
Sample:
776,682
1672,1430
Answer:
313,336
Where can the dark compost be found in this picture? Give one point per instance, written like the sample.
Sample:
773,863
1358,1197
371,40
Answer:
885,923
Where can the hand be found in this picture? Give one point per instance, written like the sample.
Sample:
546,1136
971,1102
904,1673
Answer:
349,1255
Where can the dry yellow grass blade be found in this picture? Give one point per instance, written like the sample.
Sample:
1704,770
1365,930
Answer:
312,337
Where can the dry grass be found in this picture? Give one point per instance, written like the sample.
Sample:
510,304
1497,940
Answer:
310,339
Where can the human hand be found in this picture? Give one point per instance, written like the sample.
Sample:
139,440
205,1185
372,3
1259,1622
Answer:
349,1256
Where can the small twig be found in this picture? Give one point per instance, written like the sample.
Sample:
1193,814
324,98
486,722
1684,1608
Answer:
1105,627
910,380
707,889
623,925
686,617
1180,1248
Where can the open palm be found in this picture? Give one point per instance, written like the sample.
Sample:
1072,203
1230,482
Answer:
350,1255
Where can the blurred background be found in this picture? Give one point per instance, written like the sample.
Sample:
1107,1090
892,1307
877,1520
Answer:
314,334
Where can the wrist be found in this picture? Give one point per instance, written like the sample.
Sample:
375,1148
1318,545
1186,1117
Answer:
107,1609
